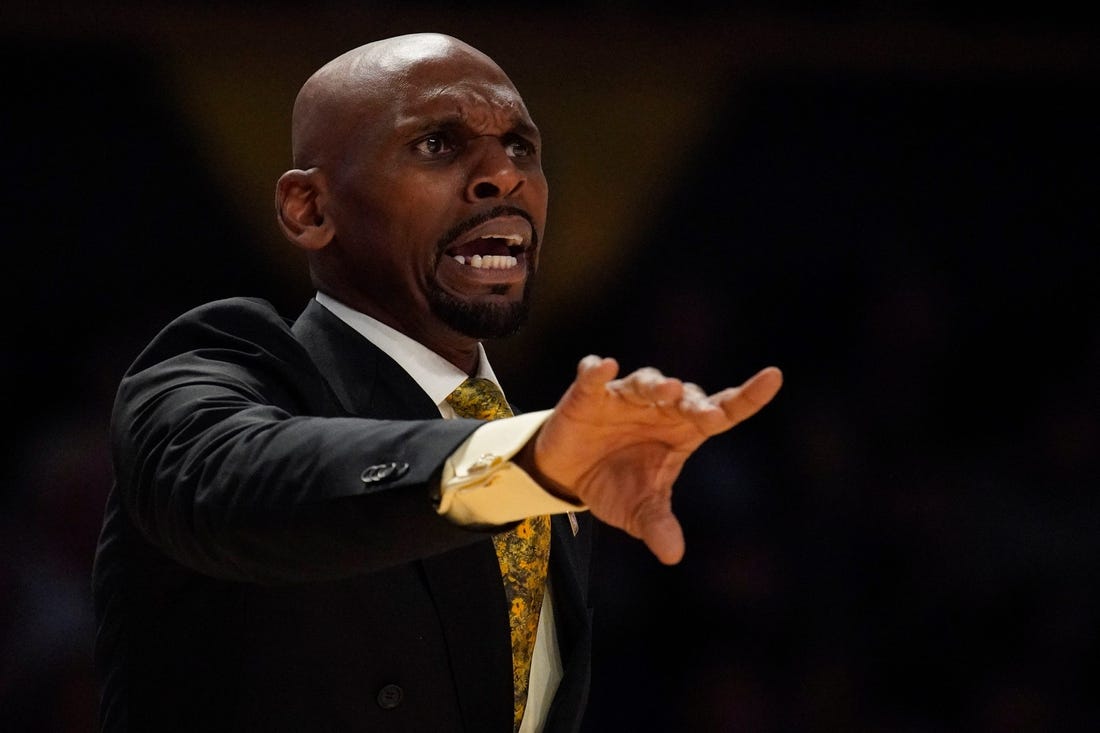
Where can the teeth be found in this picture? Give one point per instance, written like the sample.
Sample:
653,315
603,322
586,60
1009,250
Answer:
489,262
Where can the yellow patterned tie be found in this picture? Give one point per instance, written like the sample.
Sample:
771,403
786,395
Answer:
522,552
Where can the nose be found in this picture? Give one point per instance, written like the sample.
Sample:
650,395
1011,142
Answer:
493,173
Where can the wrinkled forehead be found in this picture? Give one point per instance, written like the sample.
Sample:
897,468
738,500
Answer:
466,86
481,104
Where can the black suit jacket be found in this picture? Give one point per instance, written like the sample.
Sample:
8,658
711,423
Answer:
248,579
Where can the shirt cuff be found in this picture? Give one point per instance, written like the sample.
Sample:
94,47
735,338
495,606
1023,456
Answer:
481,486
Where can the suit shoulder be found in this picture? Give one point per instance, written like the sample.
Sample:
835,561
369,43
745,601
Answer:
250,312
245,326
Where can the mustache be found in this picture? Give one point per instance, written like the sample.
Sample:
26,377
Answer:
452,234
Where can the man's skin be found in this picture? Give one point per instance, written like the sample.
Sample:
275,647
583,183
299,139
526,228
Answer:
415,149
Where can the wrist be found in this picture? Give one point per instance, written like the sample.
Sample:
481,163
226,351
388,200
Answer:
525,459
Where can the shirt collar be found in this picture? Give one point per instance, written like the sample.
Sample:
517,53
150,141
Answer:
435,375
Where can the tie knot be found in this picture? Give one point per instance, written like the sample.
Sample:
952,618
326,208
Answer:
479,398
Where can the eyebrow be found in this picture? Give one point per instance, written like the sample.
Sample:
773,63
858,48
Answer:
413,125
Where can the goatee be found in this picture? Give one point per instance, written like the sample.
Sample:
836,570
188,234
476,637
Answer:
481,320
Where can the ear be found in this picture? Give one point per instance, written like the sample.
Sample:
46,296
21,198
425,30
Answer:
300,198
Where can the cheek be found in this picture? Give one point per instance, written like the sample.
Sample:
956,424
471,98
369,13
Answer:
396,215
417,200
538,194
415,216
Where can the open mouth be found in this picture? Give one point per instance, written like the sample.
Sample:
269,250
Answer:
489,252
498,244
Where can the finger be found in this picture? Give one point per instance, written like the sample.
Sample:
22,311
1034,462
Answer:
648,386
594,372
694,399
654,522
702,411
664,537
740,403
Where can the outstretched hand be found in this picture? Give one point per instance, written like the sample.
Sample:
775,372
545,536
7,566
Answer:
618,445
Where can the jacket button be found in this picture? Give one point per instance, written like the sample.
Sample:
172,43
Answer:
390,697
383,471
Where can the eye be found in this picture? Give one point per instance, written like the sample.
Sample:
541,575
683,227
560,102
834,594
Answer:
435,145
518,147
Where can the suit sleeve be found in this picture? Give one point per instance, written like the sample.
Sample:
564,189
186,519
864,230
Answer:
226,461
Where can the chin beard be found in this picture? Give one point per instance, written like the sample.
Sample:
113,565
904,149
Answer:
481,320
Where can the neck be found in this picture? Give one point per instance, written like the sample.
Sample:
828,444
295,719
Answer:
464,358
457,348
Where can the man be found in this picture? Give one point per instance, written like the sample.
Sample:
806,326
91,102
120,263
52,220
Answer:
295,540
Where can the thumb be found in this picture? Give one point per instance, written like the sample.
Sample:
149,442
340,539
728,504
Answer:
664,537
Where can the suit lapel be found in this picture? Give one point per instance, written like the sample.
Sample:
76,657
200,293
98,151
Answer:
570,569
366,381
569,558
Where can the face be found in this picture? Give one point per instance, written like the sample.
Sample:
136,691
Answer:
438,201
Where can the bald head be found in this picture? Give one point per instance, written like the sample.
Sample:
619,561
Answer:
353,88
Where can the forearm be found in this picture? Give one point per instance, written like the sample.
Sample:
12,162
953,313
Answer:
247,491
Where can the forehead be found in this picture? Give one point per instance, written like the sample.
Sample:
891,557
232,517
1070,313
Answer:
457,89
483,107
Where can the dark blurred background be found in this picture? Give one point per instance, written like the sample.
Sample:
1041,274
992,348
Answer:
894,202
